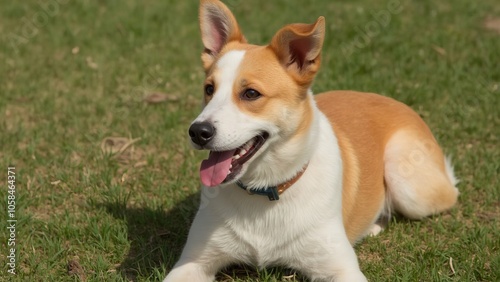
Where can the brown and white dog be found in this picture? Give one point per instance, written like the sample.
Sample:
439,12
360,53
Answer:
330,165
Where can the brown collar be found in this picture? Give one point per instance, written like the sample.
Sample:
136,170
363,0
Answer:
273,192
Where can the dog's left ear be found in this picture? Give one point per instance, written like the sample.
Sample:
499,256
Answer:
218,27
298,47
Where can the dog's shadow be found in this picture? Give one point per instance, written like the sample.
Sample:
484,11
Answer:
157,238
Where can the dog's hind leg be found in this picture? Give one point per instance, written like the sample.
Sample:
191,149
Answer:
379,225
419,180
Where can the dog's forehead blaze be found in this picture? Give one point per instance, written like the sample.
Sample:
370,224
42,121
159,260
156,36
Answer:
224,72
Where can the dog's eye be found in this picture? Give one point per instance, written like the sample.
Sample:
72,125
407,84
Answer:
209,89
250,94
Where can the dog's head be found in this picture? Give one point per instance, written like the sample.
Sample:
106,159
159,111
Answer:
256,97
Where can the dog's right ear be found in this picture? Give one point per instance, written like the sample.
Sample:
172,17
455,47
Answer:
218,27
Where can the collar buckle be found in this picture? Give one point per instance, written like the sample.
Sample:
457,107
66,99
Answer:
271,192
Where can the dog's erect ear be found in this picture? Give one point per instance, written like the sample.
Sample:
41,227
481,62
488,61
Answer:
218,27
298,47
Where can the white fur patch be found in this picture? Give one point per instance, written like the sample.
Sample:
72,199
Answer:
449,171
228,67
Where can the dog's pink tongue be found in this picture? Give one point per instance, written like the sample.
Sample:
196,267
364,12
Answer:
215,169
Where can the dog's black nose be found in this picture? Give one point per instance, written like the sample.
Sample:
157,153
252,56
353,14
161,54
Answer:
201,132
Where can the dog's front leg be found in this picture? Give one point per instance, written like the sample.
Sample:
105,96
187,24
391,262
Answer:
201,257
328,256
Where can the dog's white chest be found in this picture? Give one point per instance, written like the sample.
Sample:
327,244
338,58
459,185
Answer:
263,238
269,233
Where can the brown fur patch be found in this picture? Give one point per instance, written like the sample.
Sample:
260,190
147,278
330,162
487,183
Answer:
363,134
261,71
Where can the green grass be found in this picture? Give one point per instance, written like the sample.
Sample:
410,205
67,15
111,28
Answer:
75,75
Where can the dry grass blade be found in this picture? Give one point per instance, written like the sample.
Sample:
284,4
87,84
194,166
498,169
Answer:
441,51
451,266
122,150
117,145
492,24
157,97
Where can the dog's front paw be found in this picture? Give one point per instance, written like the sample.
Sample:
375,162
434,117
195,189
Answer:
351,277
188,272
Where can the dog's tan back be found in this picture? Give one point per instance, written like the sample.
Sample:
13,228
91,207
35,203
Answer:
391,159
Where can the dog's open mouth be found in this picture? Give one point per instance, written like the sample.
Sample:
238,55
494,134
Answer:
223,166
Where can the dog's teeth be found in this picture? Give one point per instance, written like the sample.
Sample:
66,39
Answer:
230,166
249,144
237,157
243,152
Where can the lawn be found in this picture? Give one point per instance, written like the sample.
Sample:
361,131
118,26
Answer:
96,98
